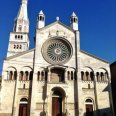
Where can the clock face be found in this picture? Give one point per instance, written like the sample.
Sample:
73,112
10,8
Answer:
56,50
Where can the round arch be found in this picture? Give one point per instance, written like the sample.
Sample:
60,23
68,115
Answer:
89,107
23,106
58,101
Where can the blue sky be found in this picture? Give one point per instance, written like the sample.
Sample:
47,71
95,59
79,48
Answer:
97,23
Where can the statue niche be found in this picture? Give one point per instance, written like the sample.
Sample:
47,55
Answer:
57,75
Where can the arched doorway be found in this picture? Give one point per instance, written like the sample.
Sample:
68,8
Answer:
57,102
89,107
23,107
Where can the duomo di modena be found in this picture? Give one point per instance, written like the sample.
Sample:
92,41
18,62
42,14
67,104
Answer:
55,78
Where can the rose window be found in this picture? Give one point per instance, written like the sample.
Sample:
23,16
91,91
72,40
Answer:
56,50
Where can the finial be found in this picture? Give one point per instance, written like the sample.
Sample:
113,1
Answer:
73,14
57,18
41,13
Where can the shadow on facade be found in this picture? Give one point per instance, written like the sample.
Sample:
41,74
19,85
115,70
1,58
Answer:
44,114
44,96
100,112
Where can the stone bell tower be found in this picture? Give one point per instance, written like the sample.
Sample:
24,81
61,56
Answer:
19,39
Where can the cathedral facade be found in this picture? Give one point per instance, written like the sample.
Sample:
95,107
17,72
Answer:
55,78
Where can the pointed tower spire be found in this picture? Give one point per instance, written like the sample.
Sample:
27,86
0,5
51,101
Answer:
22,21
40,20
19,39
74,21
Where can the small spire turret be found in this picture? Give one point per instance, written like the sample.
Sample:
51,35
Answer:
40,20
74,21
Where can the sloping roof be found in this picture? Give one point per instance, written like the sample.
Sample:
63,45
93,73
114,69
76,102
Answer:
94,56
57,22
20,54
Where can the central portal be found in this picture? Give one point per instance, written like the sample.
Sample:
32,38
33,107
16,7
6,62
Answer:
56,106
57,103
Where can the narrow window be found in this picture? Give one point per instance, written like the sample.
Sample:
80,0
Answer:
17,46
26,75
15,75
15,36
18,36
42,75
91,76
20,46
10,75
71,75
82,75
68,74
31,75
21,75
21,37
38,76
14,46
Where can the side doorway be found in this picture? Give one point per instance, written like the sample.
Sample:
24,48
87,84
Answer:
23,107
89,107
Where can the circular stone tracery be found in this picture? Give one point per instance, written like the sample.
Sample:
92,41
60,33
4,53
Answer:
56,50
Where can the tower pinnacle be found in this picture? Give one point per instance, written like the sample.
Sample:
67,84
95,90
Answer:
22,21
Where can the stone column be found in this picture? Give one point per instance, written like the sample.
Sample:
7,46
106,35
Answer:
49,74
95,92
6,75
65,76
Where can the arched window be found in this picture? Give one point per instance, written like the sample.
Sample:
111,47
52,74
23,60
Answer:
15,36
71,75
26,76
68,75
82,75
40,18
31,75
38,75
91,76
89,107
20,46
23,106
98,76
106,76
21,37
18,36
87,76
15,75
17,46
21,75
14,46
42,75
11,75
102,76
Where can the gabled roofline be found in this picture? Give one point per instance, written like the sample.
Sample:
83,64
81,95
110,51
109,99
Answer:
20,54
94,56
69,28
